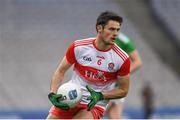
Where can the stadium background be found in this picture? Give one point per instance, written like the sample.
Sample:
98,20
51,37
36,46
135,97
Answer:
34,35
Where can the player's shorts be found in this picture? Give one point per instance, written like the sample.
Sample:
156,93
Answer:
118,101
97,112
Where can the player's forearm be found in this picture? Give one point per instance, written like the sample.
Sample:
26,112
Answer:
115,93
136,62
59,74
56,81
120,92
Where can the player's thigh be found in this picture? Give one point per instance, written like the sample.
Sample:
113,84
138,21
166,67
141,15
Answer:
83,114
51,116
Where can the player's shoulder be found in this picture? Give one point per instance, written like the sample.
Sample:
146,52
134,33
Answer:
120,52
82,42
124,38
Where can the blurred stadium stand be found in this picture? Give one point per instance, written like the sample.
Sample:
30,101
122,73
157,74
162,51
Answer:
144,18
34,35
167,12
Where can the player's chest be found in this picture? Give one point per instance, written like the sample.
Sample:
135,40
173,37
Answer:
106,61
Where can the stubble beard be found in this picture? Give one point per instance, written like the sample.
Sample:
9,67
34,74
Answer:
108,43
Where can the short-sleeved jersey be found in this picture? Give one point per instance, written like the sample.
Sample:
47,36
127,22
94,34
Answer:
97,68
125,43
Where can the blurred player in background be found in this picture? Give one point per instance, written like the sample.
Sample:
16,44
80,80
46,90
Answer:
148,100
98,63
115,107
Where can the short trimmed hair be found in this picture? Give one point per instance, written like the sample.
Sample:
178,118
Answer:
106,16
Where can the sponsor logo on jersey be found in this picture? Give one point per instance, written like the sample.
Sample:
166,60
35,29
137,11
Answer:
85,58
97,76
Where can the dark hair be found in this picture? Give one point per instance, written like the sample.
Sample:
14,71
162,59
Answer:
104,18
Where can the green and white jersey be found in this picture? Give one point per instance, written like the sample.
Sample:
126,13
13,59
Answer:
125,43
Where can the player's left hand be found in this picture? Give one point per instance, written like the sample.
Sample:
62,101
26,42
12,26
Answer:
95,97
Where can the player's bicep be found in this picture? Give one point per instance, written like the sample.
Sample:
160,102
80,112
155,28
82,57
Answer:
64,65
134,56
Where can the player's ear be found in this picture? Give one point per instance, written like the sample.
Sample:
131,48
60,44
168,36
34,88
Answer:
99,28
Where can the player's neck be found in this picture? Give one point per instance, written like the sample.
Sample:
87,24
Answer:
99,43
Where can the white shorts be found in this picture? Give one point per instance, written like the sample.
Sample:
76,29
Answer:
118,101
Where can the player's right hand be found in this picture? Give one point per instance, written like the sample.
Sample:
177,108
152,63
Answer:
54,98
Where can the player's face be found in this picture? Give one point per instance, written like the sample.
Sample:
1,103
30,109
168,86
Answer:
110,32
